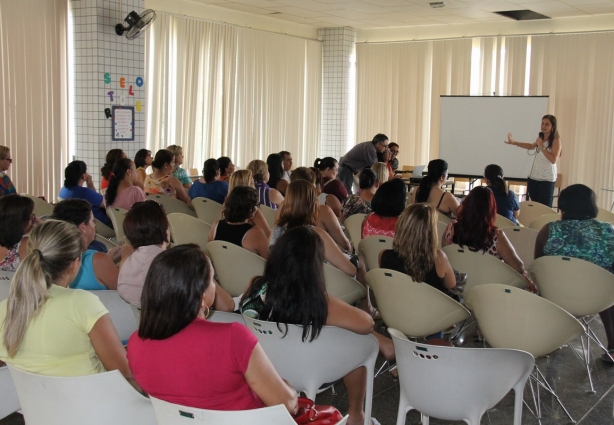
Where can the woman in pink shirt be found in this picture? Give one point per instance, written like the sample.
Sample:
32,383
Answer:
123,191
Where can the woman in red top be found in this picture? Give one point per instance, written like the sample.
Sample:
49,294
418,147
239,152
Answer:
180,357
387,204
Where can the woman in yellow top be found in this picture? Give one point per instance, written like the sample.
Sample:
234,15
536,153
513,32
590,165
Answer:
48,328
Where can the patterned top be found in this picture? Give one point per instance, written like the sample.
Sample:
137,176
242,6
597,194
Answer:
11,260
375,224
161,186
449,240
356,205
543,169
6,185
253,306
263,194
182,175
590,240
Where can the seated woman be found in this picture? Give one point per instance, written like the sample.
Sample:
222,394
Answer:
6,185
293,291
75,174
507,205
97,271
361,203
180,357
244,178
394,152
384,157
388,204
52,330
475,228
209,185
161,180
431,192
142,160
578,234
109,162
239,210
381,170
226,168
17,218
276,173
327,199
179,172
123,190
329,167
267,196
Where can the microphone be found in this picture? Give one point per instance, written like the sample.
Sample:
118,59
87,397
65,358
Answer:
541,135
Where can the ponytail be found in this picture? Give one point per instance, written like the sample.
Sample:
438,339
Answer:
120,168
437,168
494,174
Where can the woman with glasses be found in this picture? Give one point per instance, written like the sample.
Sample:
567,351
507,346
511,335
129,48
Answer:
394,152
6,185
17,218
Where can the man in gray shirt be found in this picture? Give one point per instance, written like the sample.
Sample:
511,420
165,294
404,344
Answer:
361,156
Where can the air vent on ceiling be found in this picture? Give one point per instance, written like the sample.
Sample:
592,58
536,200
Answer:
522,15
275,13
437,4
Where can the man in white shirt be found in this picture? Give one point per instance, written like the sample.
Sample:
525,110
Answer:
287,164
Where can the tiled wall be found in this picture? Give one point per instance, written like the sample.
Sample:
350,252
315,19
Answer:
101,58
338,66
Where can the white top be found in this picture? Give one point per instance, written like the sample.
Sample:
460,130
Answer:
322,198
286,176
543,169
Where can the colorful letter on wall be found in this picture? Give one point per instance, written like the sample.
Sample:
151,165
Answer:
122,83
130,92
139,81
138,106
107,78
111,93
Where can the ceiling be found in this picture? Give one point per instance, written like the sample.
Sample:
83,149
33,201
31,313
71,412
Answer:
367,14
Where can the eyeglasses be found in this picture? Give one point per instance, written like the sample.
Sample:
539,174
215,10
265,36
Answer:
394,152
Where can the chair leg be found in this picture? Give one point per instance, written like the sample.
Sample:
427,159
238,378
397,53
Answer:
541,381
403,409
586,350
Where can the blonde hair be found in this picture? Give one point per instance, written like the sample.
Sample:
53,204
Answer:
304,173
381,170
4,150
259,169
415,239
52,248
176,150
300,205
240,178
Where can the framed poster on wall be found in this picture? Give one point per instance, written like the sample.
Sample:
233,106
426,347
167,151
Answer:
122,122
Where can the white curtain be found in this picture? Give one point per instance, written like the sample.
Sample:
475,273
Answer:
33,93
217,89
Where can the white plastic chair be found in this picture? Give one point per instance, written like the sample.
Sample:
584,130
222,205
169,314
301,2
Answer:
353,226
482,268
542,220
207,210
523,241
269,215
234,266
41,208
9,402
513,318
100,399
444,219
187,229
120,312
371,246
503,222
225,317
581,288
605,215
414,308
308,365
530,210
171,205
342,286
5,284
104,230
109,244
441,229
117,216
457,383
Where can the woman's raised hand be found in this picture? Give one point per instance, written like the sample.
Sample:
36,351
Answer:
509,140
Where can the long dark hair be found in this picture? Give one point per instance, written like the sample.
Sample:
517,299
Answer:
475,224
73,173
112,156
494,174
296,292
555,130
275,166
120,169
224,163
15,214
162,157
437,168
173,290
139,158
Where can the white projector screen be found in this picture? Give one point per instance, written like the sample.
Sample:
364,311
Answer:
473,128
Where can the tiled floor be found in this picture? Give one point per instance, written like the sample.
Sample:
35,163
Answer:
562,369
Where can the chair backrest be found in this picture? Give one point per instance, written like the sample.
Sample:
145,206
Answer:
342,286
117,216
171,204
371,246
308,365
605,215
120,311
104,230
482,268
415,308
175,414
353,225
502,222
444,219
187,229
542,220
110,245
9,402
530,210
523,241
269,215
580,287
136,310
41,208
457,383
5,284
234,266
225,317
100,399
508,318
441,229
207,210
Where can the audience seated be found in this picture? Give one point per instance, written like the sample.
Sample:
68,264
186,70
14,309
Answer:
123,190
394,151
52,330
431,192
384,157
180,357
226,168
97,271
361,203
161,180
276,173
142,160
267,196
381,170
179,172
330,201
329,167
16,220
507,205
107,169
6,185
475,228
245,178
388,203
239,210
75,175
147,229
209,185
287,164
